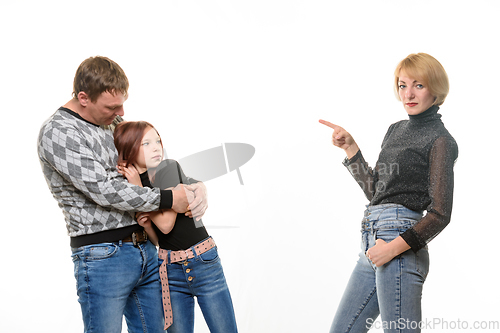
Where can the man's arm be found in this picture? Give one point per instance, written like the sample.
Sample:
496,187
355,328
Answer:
199,204
65,150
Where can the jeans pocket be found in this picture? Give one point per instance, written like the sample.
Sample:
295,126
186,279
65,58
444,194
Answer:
100,251
211,256
387,235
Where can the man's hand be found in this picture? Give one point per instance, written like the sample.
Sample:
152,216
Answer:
199,206
181,198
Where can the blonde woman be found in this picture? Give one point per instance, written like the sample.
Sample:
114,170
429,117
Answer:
410,193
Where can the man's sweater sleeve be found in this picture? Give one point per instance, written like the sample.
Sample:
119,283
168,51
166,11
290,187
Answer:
67,158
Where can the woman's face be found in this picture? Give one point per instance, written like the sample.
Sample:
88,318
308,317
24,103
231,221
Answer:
151,151
415,96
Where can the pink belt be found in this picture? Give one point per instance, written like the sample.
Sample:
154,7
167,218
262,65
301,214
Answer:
176,256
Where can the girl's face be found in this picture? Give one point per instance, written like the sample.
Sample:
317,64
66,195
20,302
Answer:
151,151
415,96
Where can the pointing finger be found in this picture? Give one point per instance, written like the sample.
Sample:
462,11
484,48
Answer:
329,124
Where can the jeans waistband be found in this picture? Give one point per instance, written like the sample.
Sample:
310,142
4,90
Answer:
389,216
175,256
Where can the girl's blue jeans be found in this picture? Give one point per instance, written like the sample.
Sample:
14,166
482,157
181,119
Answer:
393,290
117,279
202,278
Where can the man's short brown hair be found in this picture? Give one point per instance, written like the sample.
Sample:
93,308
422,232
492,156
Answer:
96,75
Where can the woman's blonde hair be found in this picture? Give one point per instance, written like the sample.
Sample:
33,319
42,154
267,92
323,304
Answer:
427,70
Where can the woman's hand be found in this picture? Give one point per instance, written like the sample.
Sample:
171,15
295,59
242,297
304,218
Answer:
342,139
383,252
131,173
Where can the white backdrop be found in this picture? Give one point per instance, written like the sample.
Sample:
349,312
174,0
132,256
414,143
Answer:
263,73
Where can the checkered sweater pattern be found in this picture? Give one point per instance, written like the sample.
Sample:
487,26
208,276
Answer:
78,160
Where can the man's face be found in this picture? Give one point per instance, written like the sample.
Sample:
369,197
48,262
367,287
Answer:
105,109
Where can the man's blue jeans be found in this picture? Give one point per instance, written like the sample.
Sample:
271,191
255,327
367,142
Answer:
393,290
116,279
201,277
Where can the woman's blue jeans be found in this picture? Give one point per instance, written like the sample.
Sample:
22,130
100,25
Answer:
201,277
393,290
116,279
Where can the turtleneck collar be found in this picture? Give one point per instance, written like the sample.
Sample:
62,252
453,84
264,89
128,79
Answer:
428,115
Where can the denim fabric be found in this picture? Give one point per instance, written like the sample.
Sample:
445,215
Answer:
201,277
116,279
393,290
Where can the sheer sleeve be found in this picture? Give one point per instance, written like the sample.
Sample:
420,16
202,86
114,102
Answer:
362,173
442,158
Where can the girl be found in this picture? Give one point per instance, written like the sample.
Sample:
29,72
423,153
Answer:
413,174
189,263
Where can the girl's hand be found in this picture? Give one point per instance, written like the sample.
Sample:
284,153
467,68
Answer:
131,173
342,139
144,219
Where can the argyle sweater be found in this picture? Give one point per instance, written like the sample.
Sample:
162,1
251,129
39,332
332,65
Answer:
78,160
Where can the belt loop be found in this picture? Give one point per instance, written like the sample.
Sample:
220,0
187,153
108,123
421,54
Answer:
168,257
194,251
134,239
120,243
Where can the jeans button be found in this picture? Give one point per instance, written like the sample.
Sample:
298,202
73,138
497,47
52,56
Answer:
188,270
185,263
190,278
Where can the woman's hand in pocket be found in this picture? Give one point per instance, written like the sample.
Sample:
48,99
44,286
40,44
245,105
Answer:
384,252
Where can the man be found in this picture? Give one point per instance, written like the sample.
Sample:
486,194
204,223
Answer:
116,268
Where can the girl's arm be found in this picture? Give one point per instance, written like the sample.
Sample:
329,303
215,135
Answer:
144,221
163,219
